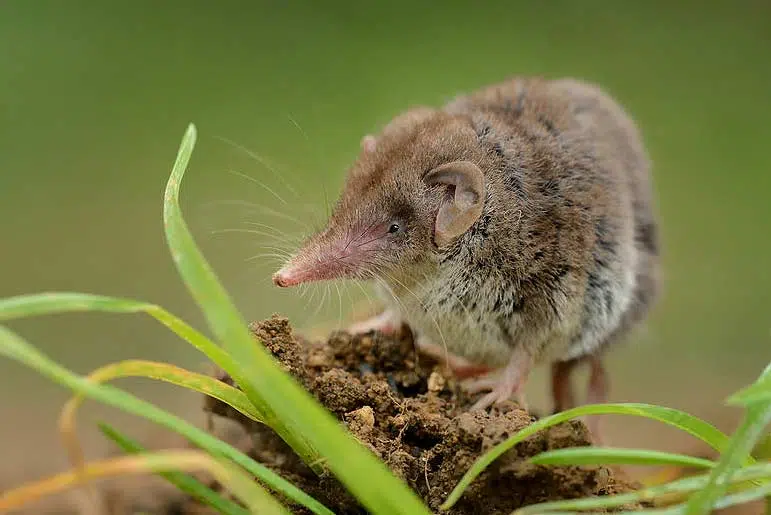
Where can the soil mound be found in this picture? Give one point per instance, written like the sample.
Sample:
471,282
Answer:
412,414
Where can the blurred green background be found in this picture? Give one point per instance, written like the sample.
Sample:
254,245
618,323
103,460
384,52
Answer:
95,96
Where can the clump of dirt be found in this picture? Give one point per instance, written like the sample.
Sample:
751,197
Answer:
411,413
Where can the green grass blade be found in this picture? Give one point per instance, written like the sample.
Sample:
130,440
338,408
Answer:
153,370
50,303
258,500
185,483
759,391
286,407
172,374
15,347
223,318
681,420
735,499
745,496
680,486
751,395
611,456
756,417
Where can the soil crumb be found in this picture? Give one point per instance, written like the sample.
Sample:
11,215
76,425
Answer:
408,410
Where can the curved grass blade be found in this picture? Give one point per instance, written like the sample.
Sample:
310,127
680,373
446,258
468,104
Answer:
15,347
751,494
285,406
759,391
152,370
735,499
185,483
680,486
751,395
252,494
49,303
679,419
172,374
756,417
222,316
611,456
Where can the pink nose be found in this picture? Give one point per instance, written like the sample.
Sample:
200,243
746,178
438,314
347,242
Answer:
280,280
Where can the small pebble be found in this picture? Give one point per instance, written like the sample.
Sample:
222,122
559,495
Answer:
361,420
316,359
436,382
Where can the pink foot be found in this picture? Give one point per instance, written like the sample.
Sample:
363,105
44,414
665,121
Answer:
507,384
563,393
386,322
598,394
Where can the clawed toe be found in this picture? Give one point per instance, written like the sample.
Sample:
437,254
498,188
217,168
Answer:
506,384
482,384
500,391
499,395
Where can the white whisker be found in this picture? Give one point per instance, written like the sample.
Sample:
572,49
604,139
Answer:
263,209
264,162
274,237
340,306
267,256
302,131
258,183
320,303
428,312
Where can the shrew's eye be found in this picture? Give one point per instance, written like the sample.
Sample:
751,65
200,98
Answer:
393,229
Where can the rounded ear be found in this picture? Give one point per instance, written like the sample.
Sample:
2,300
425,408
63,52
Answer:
368,143
463,206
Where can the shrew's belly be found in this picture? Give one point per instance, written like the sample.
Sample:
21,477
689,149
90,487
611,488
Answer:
474,335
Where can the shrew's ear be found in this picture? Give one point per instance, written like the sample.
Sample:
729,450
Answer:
465,199
368,143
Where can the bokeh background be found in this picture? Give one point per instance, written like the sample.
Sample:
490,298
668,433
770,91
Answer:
95,96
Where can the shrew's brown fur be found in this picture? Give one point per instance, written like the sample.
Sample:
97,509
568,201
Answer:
563,259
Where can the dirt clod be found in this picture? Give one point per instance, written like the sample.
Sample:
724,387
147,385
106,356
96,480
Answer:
411,413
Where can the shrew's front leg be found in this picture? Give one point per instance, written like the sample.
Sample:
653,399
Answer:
386,322
460,367
504,384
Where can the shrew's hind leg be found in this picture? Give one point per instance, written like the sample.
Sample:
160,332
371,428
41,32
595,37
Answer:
562,391
597,394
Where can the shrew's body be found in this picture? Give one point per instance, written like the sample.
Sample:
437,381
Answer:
513,226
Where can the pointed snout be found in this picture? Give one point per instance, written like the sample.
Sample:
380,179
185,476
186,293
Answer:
284,278
301,270
297,271
322,260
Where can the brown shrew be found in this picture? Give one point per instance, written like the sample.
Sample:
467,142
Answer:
512,226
